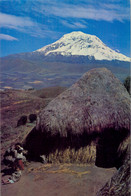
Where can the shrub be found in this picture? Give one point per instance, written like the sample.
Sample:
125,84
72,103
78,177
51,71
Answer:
127,83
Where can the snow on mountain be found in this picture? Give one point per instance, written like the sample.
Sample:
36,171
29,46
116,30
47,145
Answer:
78,43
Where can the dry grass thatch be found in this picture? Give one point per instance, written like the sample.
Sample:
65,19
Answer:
123,147
97,105
97,101
82,155
119,184
123,150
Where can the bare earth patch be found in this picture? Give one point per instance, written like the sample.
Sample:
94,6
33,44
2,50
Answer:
59,180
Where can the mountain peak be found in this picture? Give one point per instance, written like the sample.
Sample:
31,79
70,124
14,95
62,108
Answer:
78,34
79,43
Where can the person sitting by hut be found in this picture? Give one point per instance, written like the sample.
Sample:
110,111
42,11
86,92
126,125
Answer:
13,155
20,159
9,158
16,175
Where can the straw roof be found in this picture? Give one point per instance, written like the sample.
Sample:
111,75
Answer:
95,102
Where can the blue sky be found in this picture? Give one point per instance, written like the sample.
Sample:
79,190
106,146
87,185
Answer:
27,25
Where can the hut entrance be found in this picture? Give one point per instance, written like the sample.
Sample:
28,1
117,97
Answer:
107,147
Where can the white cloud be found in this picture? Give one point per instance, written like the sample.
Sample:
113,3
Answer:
106,12
74,25
14,22
7,37
24,24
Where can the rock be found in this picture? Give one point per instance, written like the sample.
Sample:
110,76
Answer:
22,121
43,159
32,117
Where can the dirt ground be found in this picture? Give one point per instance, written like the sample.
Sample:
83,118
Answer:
58,180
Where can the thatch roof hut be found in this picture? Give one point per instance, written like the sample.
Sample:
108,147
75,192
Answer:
97,105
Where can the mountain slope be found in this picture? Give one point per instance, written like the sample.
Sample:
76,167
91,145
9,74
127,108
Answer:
78,43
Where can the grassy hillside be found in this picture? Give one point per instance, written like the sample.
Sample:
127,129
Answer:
14,104
37,71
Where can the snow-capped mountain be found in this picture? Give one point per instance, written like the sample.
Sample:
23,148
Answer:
62,63
78,43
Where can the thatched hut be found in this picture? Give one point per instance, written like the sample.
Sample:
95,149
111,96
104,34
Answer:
96,106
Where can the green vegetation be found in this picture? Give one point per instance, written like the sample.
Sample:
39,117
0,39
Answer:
127,83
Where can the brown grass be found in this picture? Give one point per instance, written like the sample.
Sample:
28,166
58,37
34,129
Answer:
59,169
83,155
69,171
